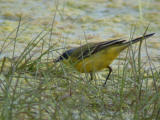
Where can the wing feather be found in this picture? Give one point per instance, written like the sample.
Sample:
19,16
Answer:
98,47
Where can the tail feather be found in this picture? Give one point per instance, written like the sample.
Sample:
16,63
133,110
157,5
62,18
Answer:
139,38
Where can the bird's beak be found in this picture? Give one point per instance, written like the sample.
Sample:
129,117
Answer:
58,59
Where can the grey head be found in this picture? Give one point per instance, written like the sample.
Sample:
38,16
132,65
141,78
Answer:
65,55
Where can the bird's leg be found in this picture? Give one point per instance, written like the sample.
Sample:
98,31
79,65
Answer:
91,76
110,70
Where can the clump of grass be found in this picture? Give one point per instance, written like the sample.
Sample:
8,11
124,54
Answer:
33,87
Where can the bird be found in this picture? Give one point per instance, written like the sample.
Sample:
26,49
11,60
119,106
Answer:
96,56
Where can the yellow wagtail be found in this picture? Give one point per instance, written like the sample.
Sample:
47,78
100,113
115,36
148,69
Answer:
93,57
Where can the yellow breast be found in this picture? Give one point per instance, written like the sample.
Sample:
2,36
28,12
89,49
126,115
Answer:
98,61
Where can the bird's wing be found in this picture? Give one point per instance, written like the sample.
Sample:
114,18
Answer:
92,48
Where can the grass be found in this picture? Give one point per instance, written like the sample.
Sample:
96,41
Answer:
33,87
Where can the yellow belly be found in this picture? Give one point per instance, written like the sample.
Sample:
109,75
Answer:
98,61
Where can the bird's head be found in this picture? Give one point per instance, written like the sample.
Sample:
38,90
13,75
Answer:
65,55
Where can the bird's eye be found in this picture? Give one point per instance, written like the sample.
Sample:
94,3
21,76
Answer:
65,55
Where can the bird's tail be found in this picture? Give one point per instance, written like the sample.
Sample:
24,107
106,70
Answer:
139,39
